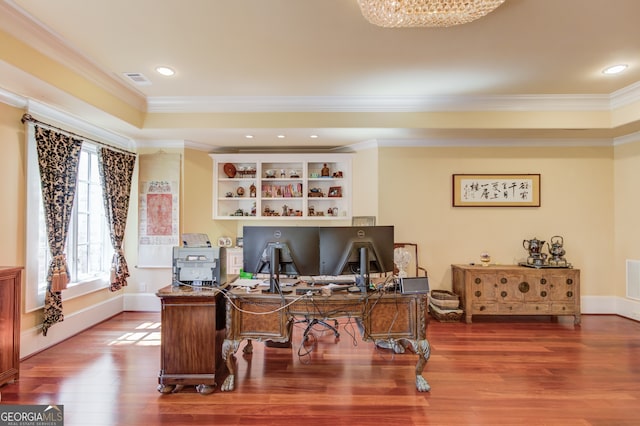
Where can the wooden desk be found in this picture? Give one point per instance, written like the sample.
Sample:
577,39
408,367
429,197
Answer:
390,320
190,350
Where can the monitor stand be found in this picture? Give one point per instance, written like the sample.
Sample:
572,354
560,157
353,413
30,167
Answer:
362,280
274,269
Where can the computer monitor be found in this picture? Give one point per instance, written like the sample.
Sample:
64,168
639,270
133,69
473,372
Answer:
280,250
359,250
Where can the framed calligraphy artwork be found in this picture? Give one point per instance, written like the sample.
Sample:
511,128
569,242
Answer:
499,190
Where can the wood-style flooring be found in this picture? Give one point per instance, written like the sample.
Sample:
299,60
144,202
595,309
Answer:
510,371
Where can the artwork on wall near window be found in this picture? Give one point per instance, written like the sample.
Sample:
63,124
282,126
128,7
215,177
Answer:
496,190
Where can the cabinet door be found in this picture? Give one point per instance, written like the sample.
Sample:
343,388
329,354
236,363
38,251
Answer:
272,326
9,325
563,285
512,286
538,287
483,286
189,336
392,317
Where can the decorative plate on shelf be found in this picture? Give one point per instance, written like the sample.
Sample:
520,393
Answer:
229,170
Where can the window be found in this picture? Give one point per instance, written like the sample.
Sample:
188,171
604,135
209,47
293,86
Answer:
88,247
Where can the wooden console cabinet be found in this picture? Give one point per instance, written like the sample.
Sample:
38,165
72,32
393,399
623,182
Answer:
517,290
10,282
190,349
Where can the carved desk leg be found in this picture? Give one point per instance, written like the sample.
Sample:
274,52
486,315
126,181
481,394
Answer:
422,348
229,347
248,348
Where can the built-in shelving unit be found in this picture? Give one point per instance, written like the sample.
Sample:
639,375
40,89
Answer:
282,186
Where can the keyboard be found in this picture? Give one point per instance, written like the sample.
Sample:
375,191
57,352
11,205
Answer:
329,279
247,282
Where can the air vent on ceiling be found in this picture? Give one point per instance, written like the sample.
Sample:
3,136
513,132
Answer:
137,78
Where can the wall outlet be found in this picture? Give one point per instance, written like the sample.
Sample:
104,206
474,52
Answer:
143,287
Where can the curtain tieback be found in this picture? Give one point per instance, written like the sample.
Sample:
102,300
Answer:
59,276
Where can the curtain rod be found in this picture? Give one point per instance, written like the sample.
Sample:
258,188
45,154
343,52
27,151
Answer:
30,118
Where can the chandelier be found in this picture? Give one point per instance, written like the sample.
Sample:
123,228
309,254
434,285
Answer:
425,13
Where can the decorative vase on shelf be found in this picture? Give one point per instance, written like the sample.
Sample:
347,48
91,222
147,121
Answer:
485,258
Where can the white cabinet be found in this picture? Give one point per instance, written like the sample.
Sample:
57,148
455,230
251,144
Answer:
234,260
283,186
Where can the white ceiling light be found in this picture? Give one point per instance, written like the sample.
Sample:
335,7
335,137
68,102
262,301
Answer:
281,136
313,136
166,71
616,69
249,136
425,13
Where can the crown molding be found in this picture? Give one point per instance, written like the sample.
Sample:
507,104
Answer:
516,143
213,104
25,27
630,138
57,118
12,99
625,96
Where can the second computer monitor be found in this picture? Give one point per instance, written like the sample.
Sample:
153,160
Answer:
341,248
298,248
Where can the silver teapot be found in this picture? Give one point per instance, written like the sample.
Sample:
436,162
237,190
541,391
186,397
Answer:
557,251
533,246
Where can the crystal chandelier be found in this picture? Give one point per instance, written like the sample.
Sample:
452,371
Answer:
425,13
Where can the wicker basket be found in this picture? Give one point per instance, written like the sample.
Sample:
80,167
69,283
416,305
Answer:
445,315
444,299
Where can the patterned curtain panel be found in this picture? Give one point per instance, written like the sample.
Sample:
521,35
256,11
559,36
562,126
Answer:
116,170
58,157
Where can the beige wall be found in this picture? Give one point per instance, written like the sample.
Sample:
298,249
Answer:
576,203
12,189
627,212
589,196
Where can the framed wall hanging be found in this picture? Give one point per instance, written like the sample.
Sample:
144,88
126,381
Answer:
496,190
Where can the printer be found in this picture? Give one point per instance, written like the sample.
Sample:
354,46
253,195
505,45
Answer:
200,266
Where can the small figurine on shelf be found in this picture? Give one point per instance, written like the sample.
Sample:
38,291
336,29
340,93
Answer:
325,170
252,191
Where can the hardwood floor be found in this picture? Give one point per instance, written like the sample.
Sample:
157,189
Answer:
514,371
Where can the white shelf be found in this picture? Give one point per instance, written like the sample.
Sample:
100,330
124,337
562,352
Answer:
269,174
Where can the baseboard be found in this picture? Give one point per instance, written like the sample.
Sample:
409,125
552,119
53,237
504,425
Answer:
141,302
628,308
33,341
598,304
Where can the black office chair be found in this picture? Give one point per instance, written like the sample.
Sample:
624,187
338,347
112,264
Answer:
319,322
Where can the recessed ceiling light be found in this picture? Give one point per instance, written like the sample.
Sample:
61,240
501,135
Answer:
249,136
166,71
616,69
313,136
281,136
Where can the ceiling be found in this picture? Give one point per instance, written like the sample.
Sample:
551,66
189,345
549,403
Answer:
302,67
